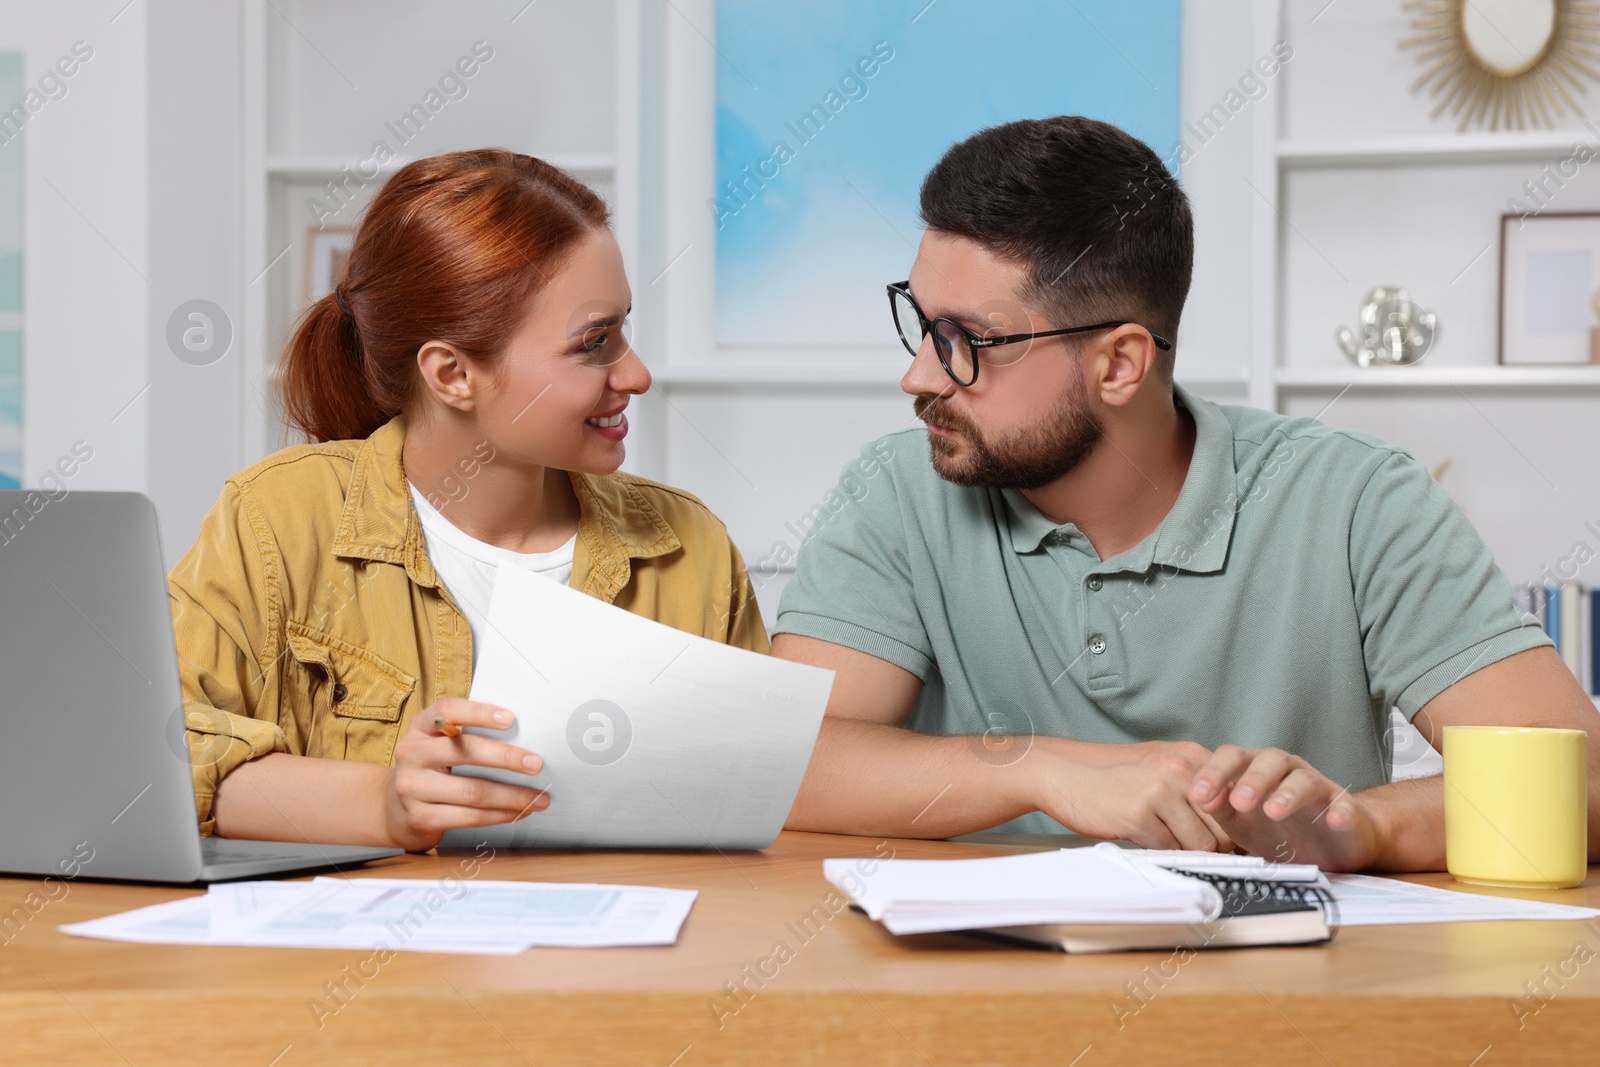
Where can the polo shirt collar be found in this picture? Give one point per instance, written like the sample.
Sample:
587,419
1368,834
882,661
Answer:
1029,526
617,523
1197,531
1195,534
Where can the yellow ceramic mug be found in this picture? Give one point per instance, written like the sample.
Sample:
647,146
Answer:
1516,806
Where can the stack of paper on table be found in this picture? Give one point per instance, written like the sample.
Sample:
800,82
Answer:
449,915
1080,885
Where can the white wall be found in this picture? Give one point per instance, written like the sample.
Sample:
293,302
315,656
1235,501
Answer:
347,68
1218,50
195,209
86,242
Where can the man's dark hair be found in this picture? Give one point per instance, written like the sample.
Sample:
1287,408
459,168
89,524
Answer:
1101,223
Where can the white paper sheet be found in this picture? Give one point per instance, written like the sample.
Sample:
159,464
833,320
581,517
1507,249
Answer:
479,917
1084,885
177,922
651,737
1364,900
575,914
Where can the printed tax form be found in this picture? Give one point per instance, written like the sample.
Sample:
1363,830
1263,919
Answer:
453,914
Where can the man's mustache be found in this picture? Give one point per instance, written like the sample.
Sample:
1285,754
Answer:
934,411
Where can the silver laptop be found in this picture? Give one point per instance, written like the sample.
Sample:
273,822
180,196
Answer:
94,761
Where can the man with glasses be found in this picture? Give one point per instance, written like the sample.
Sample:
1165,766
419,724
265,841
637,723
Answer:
1084,597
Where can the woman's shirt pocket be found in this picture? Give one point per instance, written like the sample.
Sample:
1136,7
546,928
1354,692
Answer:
347,702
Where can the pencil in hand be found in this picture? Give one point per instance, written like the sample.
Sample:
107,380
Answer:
446,727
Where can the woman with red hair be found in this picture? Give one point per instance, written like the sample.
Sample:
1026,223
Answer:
464,391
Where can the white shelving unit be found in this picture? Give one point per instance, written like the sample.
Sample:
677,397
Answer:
1520,145
1422,376
1357,185
1280,372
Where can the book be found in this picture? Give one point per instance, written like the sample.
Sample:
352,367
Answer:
1552,614
1571,643
1594,642
1254,912
1527,594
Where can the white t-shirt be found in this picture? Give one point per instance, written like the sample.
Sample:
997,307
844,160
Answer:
467,566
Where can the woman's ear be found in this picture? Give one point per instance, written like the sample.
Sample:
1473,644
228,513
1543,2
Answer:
449,375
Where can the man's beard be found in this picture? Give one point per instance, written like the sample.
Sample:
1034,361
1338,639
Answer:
1029,458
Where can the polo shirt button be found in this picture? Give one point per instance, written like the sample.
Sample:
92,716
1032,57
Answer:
1097,644
1094,584
339,693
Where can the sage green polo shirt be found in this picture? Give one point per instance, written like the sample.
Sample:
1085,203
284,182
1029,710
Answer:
1306,579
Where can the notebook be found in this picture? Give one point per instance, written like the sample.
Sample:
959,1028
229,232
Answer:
1098,899
1254,912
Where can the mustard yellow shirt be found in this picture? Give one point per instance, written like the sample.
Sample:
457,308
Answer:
309,619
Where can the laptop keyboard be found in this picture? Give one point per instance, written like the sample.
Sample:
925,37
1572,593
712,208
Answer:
215,853
219,860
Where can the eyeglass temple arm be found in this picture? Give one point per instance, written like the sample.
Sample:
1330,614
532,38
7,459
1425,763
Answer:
990,342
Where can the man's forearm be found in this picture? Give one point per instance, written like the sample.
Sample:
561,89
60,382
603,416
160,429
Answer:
1409,819
875,780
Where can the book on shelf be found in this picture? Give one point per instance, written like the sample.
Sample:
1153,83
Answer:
1552,613
1571,645
1570,615
1594,642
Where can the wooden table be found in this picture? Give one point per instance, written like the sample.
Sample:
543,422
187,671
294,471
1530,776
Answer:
753,981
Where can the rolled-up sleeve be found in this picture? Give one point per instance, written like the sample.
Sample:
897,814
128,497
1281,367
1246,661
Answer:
224,616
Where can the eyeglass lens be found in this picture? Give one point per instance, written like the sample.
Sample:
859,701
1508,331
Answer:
951,344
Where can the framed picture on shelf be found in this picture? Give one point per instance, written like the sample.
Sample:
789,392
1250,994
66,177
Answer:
327,254
1550,288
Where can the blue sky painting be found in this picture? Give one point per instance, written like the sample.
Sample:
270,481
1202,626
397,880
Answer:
830,113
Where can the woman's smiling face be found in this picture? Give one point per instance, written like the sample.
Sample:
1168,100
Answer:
557,394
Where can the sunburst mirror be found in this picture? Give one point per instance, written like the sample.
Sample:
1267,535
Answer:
1505,64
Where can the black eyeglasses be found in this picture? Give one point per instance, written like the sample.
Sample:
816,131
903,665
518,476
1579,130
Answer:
955,345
